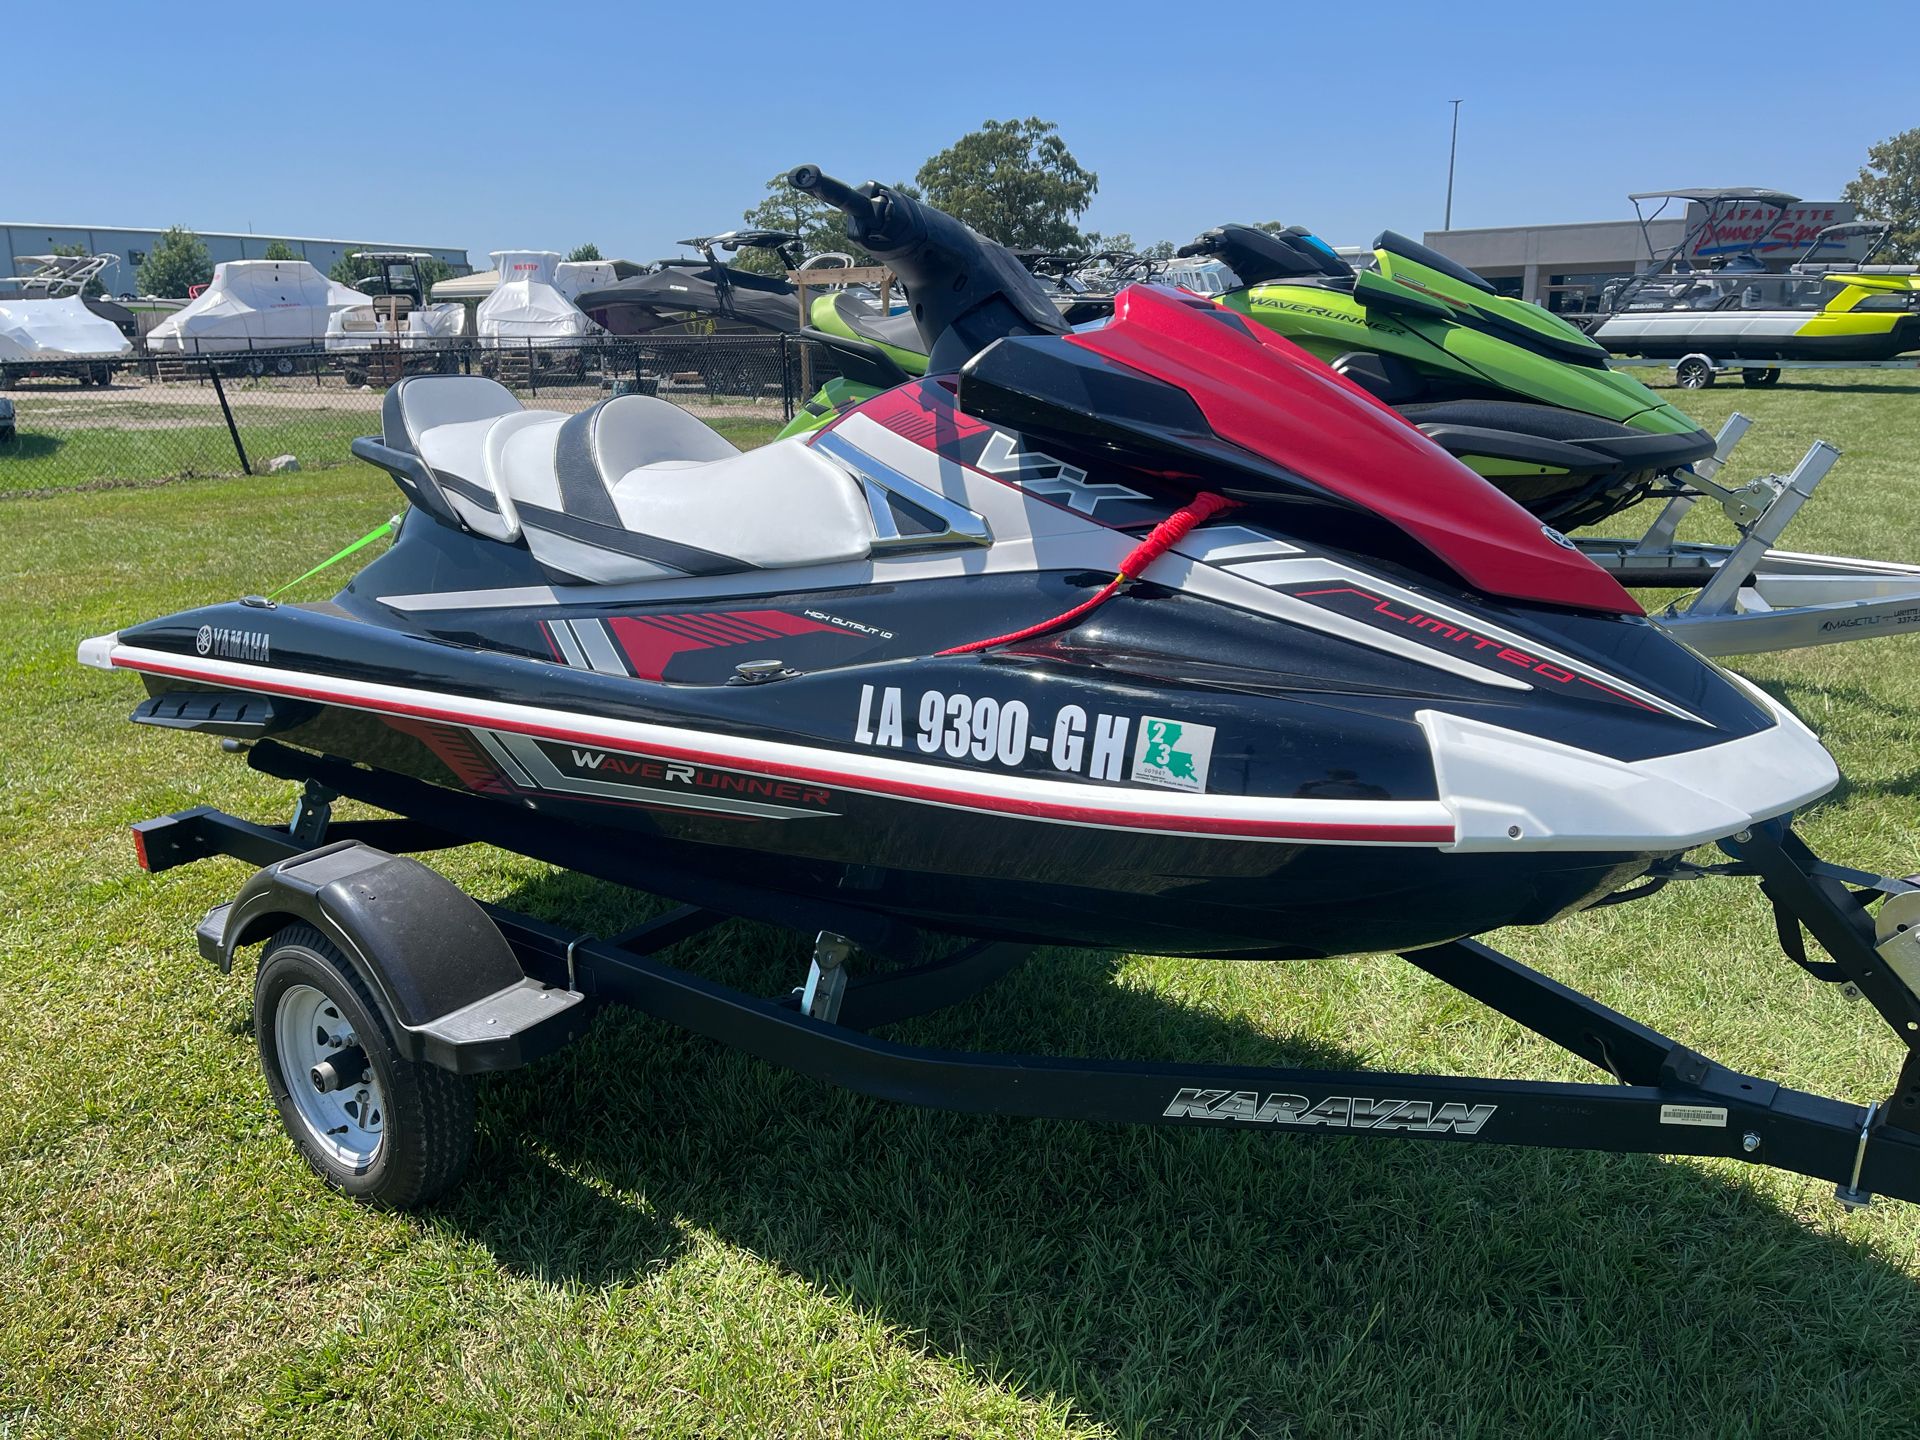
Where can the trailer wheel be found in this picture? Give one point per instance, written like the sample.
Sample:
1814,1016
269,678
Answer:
6,434
372,1123
1693,374
284,365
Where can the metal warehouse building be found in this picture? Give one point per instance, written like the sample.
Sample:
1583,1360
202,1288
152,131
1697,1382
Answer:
19,238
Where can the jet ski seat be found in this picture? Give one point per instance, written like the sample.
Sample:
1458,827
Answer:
457,424
864,319
632,488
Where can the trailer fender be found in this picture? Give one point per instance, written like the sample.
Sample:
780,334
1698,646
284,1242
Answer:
425,947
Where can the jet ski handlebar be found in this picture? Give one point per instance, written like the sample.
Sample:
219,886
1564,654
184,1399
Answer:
810,180
966,291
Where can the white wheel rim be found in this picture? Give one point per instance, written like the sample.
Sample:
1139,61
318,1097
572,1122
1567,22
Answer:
345,1124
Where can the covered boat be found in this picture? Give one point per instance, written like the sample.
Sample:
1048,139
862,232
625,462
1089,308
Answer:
256,305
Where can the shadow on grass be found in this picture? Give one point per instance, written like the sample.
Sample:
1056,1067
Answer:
28,446
1174,1282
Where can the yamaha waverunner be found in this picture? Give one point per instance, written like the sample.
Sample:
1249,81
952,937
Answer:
1520,396
1337,669
1159,637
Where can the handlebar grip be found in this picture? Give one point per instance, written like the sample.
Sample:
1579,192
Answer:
811,181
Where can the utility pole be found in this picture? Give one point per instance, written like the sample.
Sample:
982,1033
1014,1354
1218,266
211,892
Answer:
1453,150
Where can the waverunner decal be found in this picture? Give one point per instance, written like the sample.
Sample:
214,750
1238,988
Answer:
566,769
1338,1112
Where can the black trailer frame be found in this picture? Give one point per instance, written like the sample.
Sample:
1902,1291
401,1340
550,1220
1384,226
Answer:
1661,1098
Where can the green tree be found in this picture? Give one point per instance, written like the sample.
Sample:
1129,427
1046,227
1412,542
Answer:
177,262
1014,181
279,250
354,270
93,287
820,226
1121,240
588,251
1888,188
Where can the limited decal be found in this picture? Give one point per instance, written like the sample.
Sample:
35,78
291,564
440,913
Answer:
1336,1112
1173,753
227,644
1449,634
1004,732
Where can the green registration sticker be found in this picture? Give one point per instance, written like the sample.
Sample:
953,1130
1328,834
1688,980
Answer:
1172,753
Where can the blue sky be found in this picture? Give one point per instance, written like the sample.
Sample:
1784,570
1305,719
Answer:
545,126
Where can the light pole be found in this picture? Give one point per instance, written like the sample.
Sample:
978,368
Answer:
1453,149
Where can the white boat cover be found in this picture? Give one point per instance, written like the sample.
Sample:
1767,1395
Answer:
526,306
63,329
433,326
429,328
255,305
573,278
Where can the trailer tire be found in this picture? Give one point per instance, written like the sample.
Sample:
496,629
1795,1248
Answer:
423,1115
6,434
1693,373
1759,377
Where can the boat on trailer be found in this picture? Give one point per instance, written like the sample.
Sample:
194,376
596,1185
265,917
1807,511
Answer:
1738,314
1158,637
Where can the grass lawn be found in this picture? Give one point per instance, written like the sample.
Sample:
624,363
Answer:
662,1237
74,448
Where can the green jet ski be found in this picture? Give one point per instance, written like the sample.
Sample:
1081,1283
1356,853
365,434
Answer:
1513,391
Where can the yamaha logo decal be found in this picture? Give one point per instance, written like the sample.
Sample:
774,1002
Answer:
225,644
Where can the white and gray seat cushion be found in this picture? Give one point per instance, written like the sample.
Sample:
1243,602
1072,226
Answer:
454,424
633,488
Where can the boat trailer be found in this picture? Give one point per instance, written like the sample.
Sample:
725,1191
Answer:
1749,597
461,988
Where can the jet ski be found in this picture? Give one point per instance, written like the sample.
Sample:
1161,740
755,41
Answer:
1162,636
1734,309
1523,398
678,295
1364,651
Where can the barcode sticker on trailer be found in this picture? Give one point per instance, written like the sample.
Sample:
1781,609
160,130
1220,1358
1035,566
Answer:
1710,1115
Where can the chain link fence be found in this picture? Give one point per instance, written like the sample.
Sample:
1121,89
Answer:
148,418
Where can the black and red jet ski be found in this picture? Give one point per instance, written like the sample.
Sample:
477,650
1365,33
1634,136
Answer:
1161,636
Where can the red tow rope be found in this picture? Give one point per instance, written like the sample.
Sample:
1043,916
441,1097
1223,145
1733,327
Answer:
1160,539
